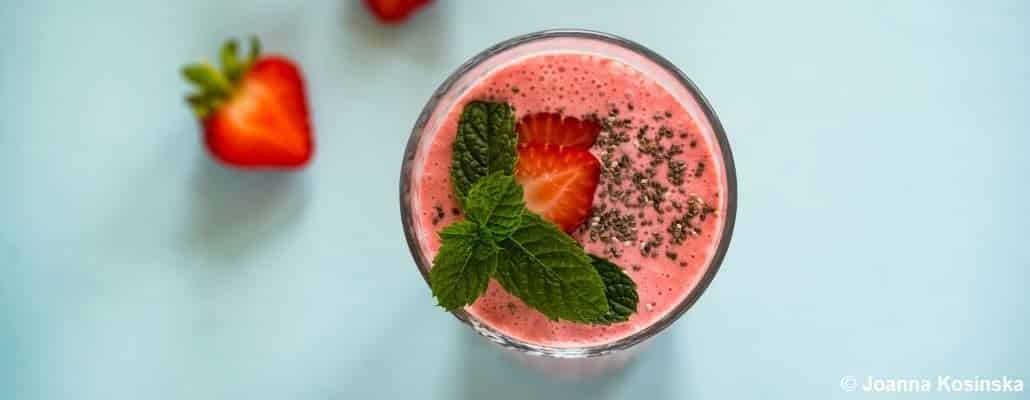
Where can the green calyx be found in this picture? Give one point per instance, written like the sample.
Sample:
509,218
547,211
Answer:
214,86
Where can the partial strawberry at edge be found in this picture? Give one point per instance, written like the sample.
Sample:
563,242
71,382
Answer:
553,129
558,184
254,111
394,11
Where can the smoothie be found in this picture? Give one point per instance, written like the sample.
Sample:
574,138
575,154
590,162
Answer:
657,210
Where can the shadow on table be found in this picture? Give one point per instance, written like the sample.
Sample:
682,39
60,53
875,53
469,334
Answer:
234,212
490,372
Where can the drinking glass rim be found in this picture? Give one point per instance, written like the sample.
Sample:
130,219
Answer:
407,214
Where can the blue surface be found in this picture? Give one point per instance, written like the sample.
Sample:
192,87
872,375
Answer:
881,150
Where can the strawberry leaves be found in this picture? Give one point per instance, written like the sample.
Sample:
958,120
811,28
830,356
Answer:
215,86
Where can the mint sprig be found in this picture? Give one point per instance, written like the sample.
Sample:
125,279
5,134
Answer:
619,289
463,266
496,204
550,272
530,257
485,144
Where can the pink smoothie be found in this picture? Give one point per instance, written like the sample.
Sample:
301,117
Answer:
657,210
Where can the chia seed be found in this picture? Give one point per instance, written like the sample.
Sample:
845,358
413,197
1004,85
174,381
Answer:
438,216
649,248
676,171
608,224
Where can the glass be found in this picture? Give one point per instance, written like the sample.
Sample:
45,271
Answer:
580,41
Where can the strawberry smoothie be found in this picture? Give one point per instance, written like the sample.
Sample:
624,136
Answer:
657,211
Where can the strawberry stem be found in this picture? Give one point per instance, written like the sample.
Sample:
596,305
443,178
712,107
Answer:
214,86
230,62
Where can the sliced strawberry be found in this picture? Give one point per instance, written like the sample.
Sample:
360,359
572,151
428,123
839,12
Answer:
254,111
558,183
555,130
394,11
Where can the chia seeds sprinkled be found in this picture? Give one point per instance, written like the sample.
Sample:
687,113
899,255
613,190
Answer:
676,171
612,252
649,248
610,224
632,153
674,150
685,227
610,139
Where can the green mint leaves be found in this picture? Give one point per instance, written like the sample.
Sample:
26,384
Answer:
485,144
530,257
550,272
496,203
620,290
463,266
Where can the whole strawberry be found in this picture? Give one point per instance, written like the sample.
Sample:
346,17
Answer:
254,111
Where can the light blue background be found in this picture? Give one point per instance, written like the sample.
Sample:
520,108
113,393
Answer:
881,150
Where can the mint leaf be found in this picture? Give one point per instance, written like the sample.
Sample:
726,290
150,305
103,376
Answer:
620,290
549,271
485,144
495,202
462,267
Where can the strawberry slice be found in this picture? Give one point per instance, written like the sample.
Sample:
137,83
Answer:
558,183
555,130
394,11
254,111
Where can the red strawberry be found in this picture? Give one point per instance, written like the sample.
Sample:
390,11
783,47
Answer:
558,183
554,130
254,111
394,11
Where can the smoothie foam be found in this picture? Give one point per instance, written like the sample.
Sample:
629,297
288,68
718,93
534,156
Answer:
675,215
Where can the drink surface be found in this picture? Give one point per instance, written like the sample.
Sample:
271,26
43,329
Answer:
656,212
